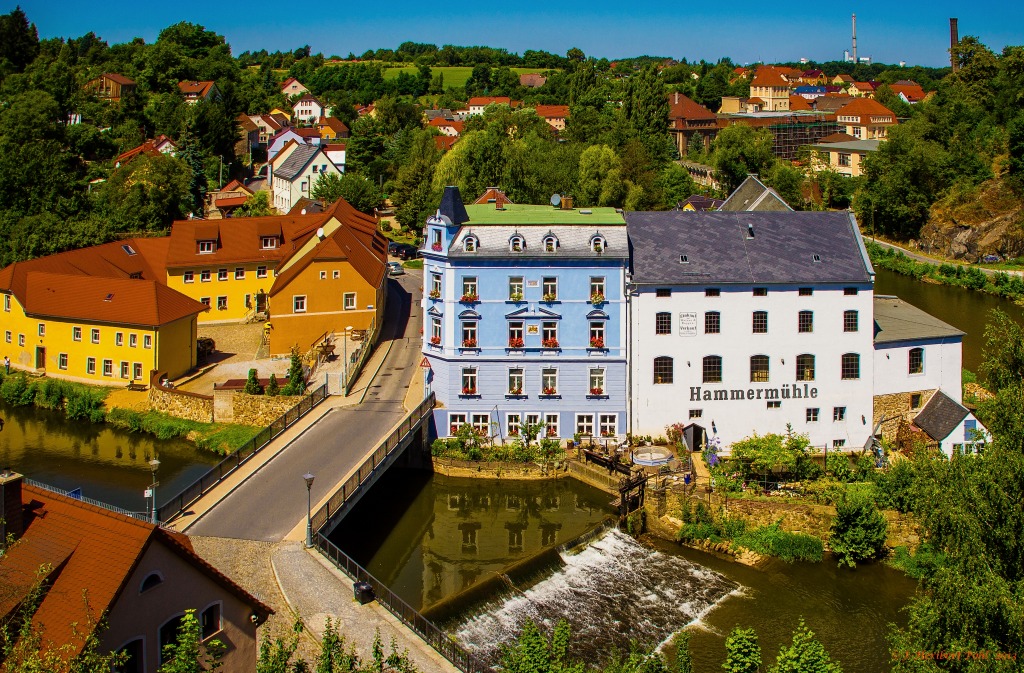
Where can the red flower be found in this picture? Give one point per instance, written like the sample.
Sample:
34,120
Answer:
469,343
597,391
436,247
466,390
597,342
469,298
515,342
549,391
435,341
549,343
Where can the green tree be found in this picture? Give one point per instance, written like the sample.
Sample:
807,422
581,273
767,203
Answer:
334,656
145,195
189,653
19,42
742,652
273,388
252,384
257,205
600,181
359,192
858,531
739,151
296,376
805,654
684,660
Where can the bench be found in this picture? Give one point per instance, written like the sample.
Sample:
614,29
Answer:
136,387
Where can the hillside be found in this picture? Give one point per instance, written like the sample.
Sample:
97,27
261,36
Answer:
970,223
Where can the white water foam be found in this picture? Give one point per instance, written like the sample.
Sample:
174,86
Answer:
613,592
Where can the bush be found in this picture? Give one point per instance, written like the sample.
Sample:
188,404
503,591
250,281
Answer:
252,384
273,389
773,541
922,563
858,532
894,487
838,465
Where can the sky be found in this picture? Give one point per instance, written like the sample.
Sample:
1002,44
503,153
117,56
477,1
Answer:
746,31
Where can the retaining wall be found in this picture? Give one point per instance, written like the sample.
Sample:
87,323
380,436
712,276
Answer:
179,403
231,406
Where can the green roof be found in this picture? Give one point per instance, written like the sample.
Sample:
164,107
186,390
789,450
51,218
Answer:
512,213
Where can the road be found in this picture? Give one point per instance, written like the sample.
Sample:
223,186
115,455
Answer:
270,503
918,257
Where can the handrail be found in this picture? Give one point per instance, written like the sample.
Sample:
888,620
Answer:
177,504
354,483
412,618
142,516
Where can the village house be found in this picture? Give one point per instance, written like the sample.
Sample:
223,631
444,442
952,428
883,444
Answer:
754,196
141,578
336,154
844,157
248,135
268,126
226,200
294,171
532,80
478,104
291,134
332,128
195,91
155,147
111,86
700,203
555,115
293,87
308,109
910,92
687,118
772,87
866,119
452,129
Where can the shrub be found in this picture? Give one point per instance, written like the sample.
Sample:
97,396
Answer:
895,487
922,563
252,384
838,465
772,540
296,384
273,389
858,532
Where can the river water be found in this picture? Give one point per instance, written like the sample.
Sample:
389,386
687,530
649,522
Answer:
479,557
108,464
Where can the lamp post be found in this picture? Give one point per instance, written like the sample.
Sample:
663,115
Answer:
344,366
153,465
309,520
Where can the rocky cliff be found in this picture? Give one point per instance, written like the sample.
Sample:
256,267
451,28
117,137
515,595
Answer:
970,223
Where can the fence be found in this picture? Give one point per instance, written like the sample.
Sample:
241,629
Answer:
359,357
240,456
142,516
383,450
423,627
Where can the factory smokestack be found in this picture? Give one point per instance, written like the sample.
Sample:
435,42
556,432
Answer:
855,38
954,39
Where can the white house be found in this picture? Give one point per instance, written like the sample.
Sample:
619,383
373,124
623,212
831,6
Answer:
308,109
336,153
749,322
951,426
293,87
294,172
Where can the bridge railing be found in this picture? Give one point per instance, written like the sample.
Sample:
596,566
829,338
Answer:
240,456
423,627
380,453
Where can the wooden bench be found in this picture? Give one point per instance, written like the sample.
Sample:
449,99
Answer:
136,387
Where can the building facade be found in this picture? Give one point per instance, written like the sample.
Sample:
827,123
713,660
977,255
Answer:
524,318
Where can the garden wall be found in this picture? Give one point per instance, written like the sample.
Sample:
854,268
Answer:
179,403
236,407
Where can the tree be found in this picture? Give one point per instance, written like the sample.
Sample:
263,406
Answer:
600,181
684,661
740,150
189,653
273,388
359,192
805,654
296,376
145,195
859,530
19,41
742,653
252,384
257,205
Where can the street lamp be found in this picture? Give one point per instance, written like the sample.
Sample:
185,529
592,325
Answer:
309,520
153,465
344,367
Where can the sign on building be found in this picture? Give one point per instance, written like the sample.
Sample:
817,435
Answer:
688,324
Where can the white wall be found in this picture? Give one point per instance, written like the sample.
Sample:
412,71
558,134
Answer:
943,366
658,405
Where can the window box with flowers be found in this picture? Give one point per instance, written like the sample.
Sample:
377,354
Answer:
597,392
454,430
549,392
469,298
469,343
597,299
516,343
435,294
436,247
515,392
515,297
550,344
549,298
552,432
597,343
469,391
435,341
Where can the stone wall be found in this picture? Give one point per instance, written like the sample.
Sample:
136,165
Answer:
179,403
895,408
486,470
259,410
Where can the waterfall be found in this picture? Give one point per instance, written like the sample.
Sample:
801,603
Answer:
612,592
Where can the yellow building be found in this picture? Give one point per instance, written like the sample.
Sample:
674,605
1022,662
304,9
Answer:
98,315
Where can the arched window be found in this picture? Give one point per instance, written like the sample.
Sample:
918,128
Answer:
134,657
805,367
598,244
851,366
713,369
151,580
916,361
169,634
663,369
759,368
550,243
470,243
516,244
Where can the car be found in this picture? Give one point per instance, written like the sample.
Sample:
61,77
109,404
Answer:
991,259
406,251
395,269
393,248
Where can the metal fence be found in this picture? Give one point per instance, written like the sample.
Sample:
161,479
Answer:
423,627
142,516
239,456
383,450
357,359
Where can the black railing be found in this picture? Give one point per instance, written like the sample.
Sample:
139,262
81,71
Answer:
423,627
354,483
240,456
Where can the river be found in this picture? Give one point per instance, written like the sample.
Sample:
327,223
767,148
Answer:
108,464
482,556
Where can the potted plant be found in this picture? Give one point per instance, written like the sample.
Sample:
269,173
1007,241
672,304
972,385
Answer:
597,298
597,391
597,342
468,390
469,343
435,294
454,430
552,433
550,297
515,296
436,247
469,298
548,390
549,343
515,342
435,341
515,391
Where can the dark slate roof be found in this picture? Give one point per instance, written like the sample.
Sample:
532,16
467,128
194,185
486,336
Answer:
940,416
452,206
296,162
754,195
719,249
897,320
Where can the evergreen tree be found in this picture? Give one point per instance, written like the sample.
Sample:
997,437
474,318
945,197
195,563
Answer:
805,654
296,381
273,388
252,384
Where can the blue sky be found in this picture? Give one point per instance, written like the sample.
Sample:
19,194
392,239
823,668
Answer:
744,30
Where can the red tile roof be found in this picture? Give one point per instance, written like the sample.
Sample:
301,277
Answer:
866,108
439,122
799,103
444,143
532,80
238,239
150,148
913,92
493,195
770,76
552,111
120,79
683,110
334,124
195,89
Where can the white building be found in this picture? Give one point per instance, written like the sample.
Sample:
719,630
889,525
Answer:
751,322
293,173
308,109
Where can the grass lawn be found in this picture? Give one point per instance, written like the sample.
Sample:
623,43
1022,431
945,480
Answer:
413,264
453,76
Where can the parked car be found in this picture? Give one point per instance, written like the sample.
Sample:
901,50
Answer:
406,251
395,269
991,259
393,248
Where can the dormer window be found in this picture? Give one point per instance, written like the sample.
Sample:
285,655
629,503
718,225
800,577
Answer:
268,242
516,244
207,247
597,244
550,244
470,243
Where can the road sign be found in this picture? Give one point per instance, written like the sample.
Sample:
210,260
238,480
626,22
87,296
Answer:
148,493
424,363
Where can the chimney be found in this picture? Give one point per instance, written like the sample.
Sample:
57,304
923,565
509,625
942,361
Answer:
954,39
12,516
677,99
855,39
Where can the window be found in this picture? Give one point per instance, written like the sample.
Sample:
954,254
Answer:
806,291
838,414
712,292
349,299
550,289
844,159
805,321
597,381
850,291
713,369
435,331
108,367
435,285
850,321
663,369
133,658
147,341
7,336
209,621
21,339
663,292
812,415
597,244
805,367
513,425
856,132
550,244
609,424
124,369
468,334
915,400
137,371
515,381
42,329
597,288
515,334
533,419
7,302
188,277
469,244
169,635
133,340
299,303
336,275
663,323
239,273
549,381
62,361
551,425
696,413
515,288
760,292
90,365
851,366
222,303
76,333
549,334
118,338
261,272
585,425
760,324
596,334
916,364
469,381
206,247
482,424
838,443
456,421
469,288
204,300
759,368
222,274
205,275
435,239
712,322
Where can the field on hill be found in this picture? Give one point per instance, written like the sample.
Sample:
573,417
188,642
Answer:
453,76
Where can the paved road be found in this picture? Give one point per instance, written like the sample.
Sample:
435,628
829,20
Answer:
272,502
918,257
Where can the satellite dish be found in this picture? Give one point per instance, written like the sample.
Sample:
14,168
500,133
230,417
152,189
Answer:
303,211
556,200
320,232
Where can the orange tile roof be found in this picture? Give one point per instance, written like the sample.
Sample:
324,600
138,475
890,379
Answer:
439,122
493,195
682,107
532,79
120,79
445,143
238,239
92,548
334,124
231,201
767,75
913,92
865,108
552,111
199,89
799,103
754,100
487,100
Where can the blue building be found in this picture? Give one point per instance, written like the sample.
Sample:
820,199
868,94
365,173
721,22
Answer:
525,318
